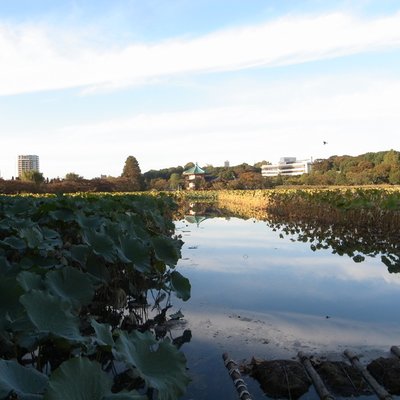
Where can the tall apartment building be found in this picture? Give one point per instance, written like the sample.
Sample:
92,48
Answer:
287,166
27,163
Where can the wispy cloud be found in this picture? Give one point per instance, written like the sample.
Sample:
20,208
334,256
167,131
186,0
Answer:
34,58
267,129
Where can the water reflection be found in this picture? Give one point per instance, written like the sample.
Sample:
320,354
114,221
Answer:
267,288
356,240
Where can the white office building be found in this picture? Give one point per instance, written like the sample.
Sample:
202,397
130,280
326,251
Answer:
27,163
287,166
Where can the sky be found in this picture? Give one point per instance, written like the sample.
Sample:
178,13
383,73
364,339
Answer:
86,83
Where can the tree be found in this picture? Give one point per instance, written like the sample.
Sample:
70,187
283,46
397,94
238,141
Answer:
32,176
175,181
72,176
132,173
188,165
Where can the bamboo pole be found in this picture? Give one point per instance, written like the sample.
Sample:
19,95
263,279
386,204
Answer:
234,373
395,350
378,389
319,385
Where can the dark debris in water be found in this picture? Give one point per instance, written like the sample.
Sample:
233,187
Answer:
288,379
280,378
387,372
342,379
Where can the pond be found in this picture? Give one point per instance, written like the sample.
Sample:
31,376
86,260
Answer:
259,291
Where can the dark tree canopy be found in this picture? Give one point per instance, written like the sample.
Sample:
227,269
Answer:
132,173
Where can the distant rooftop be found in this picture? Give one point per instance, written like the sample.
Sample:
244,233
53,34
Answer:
196,170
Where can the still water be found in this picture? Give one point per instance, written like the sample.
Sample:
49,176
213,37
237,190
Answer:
256,292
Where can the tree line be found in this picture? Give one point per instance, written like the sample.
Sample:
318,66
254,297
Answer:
367,169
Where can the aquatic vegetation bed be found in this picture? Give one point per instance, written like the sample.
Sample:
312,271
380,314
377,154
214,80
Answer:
358,221
369,205
85,288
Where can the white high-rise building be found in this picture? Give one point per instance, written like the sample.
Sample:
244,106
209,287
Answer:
27,163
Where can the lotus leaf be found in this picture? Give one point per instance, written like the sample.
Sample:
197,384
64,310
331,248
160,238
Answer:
14,242
78,379
50,314
4,265
180,285
89,222
97,268
80,253
71,285
103,333
125,396
10,293
32,235
159,363
135,251
101,243
26,383
30,280
63,215
167,249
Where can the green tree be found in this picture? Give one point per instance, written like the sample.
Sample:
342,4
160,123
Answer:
132,173
72,176
188,165
32,176
175,181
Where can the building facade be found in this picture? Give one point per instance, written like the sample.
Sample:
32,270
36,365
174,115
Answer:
194,177
27,163
287,166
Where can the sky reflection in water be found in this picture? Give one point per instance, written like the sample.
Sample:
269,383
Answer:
244,264
256,294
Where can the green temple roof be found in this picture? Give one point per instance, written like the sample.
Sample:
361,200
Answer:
196,170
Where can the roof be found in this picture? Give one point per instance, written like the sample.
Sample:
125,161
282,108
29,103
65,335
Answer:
196,170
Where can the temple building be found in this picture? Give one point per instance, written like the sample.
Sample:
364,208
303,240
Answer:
194,177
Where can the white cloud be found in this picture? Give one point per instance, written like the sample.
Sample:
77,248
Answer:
354,115
36,58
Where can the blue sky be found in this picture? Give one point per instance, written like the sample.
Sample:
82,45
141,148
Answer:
84,84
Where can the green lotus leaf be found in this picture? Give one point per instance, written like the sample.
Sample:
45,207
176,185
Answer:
80,253
10,292
30,281
20,205
62,214
97,268
71,285
103,333
50,234
89,222
50,314
159,363
125,396
78,379
14,242
180,285
135,251
39,261
4,265
26,383
32,235
167,249
51,239
101,243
